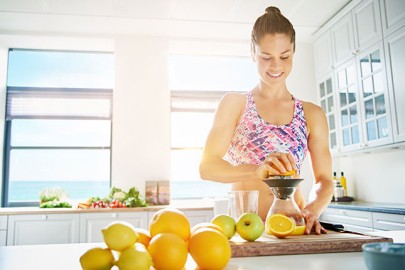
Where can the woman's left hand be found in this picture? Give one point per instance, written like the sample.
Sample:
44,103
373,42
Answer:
312,223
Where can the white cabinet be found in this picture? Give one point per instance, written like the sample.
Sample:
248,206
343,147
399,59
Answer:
393,15
42,229
323,54
3,230
326,95
383,221
353,220
395,65
367,24
194,216
343,40
91,224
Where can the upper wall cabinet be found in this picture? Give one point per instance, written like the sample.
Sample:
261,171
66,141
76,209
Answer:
392,15
323,56
367,24
356,31
343,40
395,65
366,71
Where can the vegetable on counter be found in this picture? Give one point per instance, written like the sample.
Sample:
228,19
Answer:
117,198
55,204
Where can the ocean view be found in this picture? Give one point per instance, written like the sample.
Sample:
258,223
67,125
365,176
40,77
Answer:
79,190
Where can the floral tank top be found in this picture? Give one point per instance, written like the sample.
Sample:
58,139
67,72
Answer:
254,139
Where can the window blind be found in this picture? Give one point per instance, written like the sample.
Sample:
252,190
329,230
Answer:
29,102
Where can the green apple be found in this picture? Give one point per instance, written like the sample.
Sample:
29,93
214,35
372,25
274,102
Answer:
226,223
249,226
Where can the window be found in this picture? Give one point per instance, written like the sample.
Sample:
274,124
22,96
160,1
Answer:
197,83
58,124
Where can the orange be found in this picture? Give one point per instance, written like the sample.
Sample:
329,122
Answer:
280,225
289,173
210,249
299,230
168,251
205,225
170,220
144,236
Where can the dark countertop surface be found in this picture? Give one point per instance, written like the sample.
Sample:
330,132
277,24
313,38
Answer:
387,208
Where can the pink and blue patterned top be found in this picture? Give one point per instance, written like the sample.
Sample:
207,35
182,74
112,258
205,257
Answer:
254,139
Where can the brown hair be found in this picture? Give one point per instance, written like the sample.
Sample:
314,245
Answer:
272,22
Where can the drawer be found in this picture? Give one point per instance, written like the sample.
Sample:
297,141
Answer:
390,222
344,216
3,222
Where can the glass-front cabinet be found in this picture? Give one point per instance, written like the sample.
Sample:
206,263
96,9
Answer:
327,100
373,90
349,120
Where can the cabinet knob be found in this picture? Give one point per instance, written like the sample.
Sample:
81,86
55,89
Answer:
114,215
44,217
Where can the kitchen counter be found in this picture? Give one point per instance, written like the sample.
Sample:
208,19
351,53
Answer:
203,204
66,256
371,207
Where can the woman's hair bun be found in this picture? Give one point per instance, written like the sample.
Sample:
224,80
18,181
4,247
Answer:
272,9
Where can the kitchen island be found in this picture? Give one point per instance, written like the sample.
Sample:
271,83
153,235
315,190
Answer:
66,256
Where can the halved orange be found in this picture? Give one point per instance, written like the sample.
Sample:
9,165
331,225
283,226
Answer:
289,173
280,225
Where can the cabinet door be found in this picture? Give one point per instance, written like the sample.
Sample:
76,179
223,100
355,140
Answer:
348,106
343,40
393,15
3,230
43,229
376,116
395,65
91,224
326,94
351,219
367,24
323,54
199,216
194,216
383,221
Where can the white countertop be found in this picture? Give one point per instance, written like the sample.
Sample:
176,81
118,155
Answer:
66,256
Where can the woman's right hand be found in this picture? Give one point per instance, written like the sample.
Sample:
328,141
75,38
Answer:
276,163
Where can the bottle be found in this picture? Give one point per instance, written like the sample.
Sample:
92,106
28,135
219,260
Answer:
334,180
343,183
338,191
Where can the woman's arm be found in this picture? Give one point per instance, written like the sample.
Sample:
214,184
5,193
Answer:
212,166
318,146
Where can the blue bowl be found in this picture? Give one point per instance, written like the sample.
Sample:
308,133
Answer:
384,256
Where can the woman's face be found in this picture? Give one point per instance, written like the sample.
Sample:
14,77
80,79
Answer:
273,56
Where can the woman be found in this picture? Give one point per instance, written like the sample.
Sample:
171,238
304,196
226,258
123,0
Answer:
267,131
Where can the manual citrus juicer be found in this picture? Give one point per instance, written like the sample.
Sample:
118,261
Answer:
283,188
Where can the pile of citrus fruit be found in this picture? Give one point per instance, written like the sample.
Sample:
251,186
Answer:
165,245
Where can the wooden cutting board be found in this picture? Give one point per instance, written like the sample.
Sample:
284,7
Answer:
304,244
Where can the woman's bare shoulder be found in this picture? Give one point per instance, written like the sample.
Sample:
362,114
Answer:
312,110
233,100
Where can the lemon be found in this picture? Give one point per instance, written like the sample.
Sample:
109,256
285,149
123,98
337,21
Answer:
120,235
97,259
135,257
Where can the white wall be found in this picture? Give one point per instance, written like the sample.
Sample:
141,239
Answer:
375,177
141,113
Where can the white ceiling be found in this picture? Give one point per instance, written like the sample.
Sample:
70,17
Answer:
216,19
